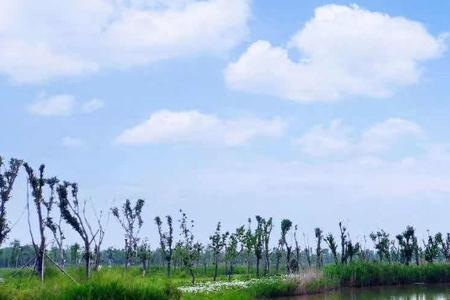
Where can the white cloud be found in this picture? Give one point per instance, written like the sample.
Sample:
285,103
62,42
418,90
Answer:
362,179
380,137
72,142
63,105
58,105
92,105
83,36
345,51
338,139
195,127
326,140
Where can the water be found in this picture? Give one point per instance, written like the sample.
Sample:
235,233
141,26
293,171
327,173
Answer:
415,292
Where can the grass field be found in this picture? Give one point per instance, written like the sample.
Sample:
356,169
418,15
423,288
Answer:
115,283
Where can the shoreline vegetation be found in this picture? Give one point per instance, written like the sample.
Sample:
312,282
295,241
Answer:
259,259
115,283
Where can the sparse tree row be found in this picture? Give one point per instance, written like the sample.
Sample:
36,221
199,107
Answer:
250,247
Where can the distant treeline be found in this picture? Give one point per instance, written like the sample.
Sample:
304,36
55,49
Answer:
58,209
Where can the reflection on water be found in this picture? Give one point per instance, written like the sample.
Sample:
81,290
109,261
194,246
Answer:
416,292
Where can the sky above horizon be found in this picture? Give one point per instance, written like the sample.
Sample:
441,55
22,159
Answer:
315,111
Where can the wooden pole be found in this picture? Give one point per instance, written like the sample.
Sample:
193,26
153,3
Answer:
61,269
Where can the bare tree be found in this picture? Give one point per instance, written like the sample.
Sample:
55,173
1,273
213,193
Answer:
98,239
7,179
166,241
131,221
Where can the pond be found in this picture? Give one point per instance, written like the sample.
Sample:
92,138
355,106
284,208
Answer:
414,292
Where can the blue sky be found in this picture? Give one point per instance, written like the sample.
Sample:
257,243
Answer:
311,110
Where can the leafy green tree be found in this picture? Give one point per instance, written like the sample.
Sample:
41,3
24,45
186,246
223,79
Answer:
258,240
381,242
231,253
286,225
8,175
218,242
406,241
130,218
343,235
352,250
297,249
144,254
331,242
74,251
190,248
16,252
445,245
319,236
248,244
38,183
431,250
267,230
74,213
166,241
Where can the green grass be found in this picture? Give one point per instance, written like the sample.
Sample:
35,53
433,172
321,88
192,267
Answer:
116,284
107,284
372,274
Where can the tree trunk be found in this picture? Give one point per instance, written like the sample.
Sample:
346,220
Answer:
216,266
277,266
168,267
267,265
40,253
192,275
230,272
257,266
87,260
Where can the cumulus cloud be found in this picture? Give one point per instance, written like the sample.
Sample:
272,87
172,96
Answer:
338,139
195,127
83,36
63,105
344,51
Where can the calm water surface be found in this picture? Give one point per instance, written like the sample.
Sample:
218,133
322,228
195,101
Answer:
416,292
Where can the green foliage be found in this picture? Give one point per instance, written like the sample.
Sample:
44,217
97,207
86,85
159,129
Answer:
7,179
381,243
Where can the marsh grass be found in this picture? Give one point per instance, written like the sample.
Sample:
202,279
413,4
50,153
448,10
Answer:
372,274
116,284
